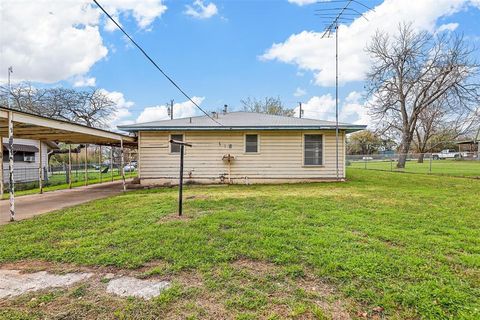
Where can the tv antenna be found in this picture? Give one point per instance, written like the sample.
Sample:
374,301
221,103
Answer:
342,11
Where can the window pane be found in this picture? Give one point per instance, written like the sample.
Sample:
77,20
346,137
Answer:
251,143
175,148
313,150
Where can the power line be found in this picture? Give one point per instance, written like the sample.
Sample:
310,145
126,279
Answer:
154,63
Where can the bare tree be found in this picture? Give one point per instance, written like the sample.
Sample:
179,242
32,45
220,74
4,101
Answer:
413,71
270,105
92,107
438,128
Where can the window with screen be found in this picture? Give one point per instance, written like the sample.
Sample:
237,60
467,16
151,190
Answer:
175,148
313,149
251,143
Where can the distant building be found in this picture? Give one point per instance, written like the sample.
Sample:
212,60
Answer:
26,158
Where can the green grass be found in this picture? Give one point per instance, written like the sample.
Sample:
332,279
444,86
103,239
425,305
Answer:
409,244
57,182
457,168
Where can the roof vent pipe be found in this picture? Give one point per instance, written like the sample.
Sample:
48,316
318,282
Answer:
214,114
225,108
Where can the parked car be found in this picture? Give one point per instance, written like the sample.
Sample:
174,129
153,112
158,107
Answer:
448,154
129,168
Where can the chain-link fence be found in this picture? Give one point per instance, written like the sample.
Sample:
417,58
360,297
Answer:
451,163
56,175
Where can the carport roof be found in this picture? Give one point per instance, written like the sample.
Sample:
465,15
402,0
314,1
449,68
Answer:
31,126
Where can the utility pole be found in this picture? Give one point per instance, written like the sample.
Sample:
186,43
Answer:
300,113
170,109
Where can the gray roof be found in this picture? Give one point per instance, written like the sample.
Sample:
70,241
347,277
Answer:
240,121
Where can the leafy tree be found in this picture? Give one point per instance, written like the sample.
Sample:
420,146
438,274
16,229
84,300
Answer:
363,142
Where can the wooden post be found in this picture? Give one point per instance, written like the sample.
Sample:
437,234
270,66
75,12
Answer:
40,167
121,165
100,162
111,163
69,166
86,166
1,168
11,178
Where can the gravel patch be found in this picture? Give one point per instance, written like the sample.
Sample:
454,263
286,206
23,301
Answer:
14,283
132,287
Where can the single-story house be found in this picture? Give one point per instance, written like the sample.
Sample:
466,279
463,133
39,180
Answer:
26,157
241,147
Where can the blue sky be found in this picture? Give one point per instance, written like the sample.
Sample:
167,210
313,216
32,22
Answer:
219,54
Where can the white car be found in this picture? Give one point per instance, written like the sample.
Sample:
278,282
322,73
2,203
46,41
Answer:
448,154
129,168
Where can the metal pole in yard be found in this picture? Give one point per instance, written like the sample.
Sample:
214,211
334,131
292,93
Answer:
391,164
121,164
431,163
86,166
111,163
69,166
1,167
180,184
365,161
40,167
11,179
180,180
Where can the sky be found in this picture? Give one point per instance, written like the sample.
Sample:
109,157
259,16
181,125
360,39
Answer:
219,52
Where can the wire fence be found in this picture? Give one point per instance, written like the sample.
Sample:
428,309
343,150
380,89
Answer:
27,178
457,164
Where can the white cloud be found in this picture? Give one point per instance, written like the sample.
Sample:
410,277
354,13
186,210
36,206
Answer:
144,12
299,92
83,81
200,10
352,110
448,27
122,108
302,2
180,110
49,41
310,52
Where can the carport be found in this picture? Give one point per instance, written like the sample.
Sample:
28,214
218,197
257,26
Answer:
18,124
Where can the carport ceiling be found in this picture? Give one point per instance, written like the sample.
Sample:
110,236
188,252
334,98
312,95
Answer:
30,126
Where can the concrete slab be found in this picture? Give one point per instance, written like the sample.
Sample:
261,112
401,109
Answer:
35,204
132,287
14,283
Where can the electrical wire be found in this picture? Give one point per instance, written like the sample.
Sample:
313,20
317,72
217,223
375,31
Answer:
154,63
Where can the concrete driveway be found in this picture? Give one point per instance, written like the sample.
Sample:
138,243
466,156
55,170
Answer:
35,204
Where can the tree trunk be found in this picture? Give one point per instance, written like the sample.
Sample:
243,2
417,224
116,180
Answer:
421,157
404,149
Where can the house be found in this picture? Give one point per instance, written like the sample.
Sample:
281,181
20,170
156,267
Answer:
241,147
26,158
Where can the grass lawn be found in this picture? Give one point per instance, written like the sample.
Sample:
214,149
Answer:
457,168
380,245
57,182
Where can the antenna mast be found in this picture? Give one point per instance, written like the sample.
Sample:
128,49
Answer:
332,17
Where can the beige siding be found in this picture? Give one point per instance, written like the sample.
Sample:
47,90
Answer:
280,156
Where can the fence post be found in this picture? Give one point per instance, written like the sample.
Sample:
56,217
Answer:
365,158
122,167
430,163
391,163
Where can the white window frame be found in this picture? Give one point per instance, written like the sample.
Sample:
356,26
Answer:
245,143
303,150
171,145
